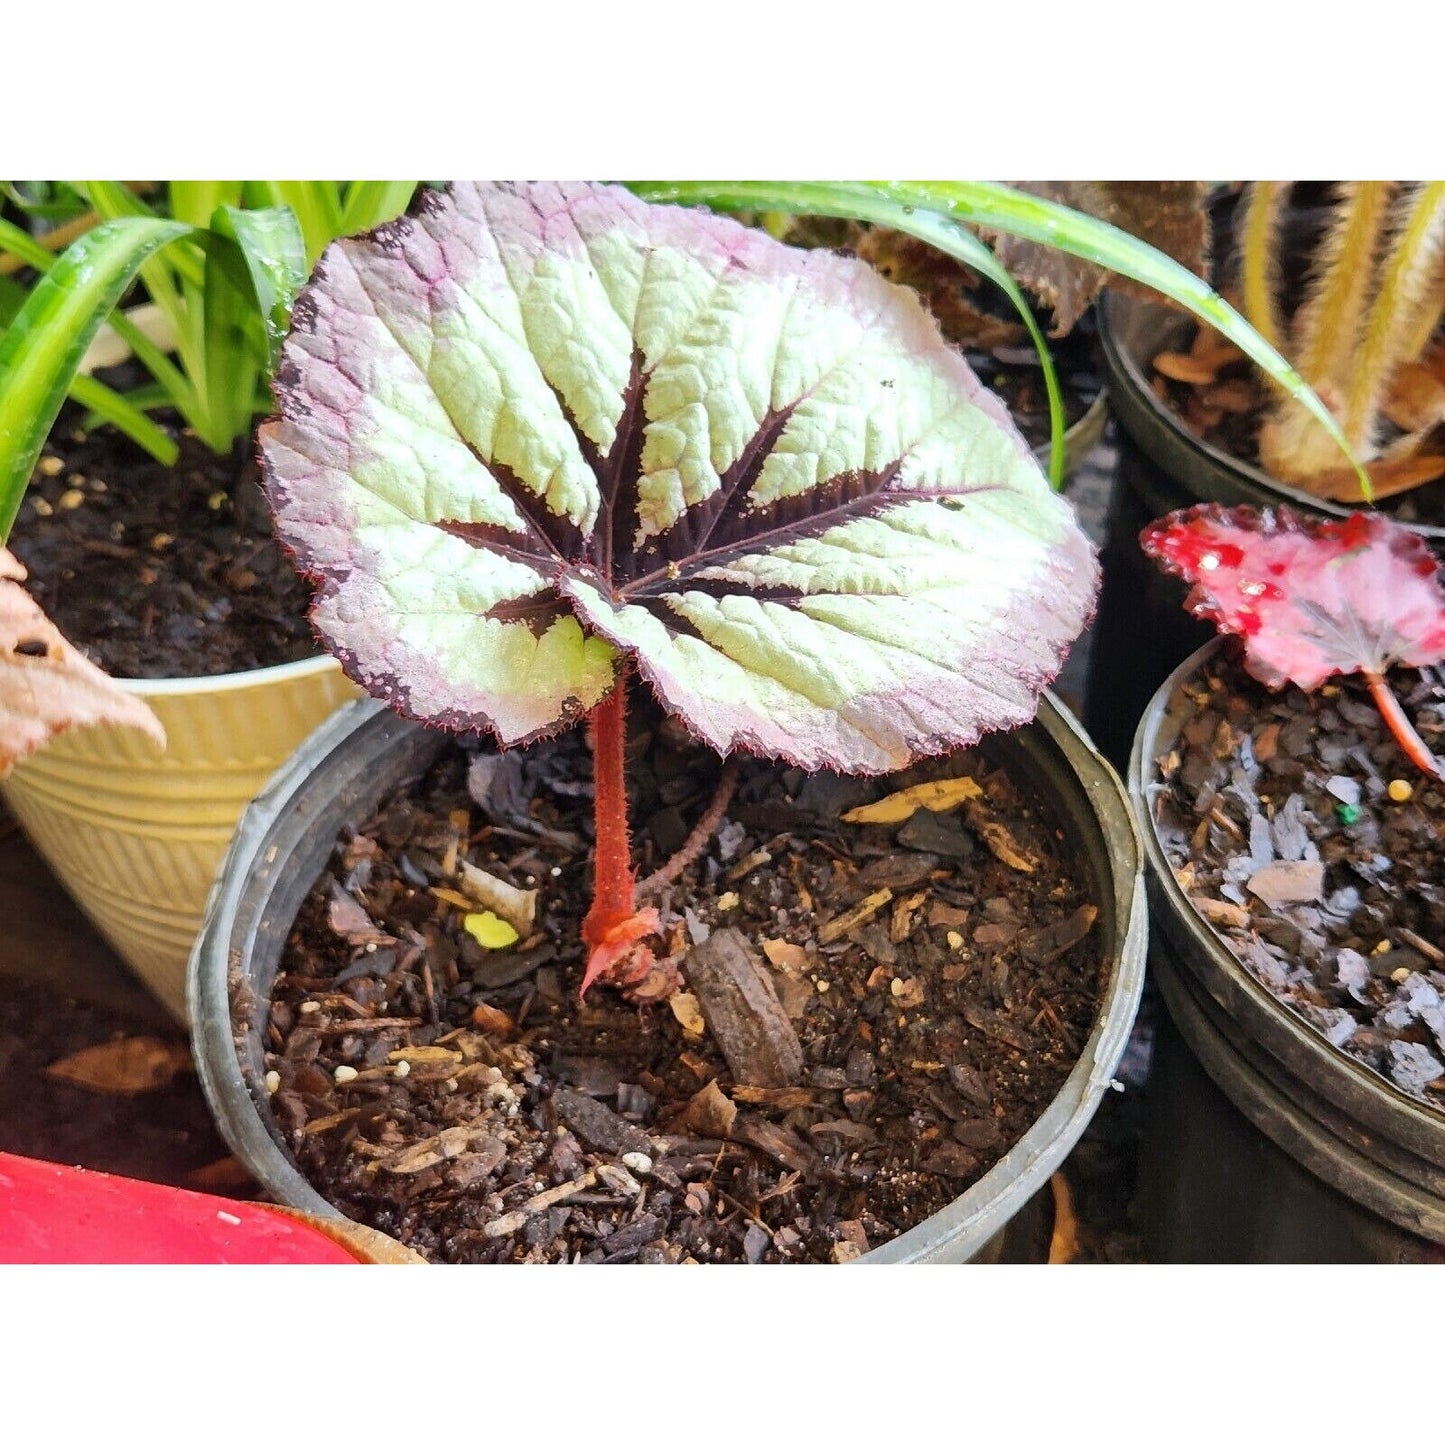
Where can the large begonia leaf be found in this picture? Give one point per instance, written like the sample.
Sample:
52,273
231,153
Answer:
533,428
1310,597
46,685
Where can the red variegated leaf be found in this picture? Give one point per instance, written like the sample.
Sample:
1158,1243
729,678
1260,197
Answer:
1311,598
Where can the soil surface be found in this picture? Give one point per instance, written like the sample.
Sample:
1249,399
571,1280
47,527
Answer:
1317,850
159,571
871,1013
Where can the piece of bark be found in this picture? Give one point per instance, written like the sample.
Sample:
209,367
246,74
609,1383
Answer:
999,841
952,1161
1277,884
774,1141
449,1144
775,1098
1044,945
597,1126
898,869
710,1113
845,923
928,832
1220,912
996,1026
511,1223
743,1014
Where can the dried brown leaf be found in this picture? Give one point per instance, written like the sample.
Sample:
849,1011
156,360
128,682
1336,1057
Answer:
710,1113
1220,912
46,685
517,906
949,289
493,1021
1416,398
1064,1246
688,1012
1169,215
126,1066
349,920
1389,476
945,915
790,957
1179,366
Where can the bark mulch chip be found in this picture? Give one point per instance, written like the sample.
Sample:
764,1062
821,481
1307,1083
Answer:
856,1042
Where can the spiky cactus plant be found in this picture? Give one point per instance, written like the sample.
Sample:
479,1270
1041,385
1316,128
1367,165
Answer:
1371,312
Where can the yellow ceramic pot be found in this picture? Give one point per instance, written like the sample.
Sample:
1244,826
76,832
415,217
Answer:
136,834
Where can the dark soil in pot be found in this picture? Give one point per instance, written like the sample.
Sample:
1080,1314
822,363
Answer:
159,571
922,1002
1317,852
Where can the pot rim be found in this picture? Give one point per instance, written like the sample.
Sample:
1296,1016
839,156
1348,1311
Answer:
1351,1078
1125,366
272,676
960,1228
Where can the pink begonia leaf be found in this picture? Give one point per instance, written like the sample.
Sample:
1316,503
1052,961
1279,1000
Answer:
533,431
1311,598
46,685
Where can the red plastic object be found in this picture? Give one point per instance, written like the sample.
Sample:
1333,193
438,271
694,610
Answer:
61,1214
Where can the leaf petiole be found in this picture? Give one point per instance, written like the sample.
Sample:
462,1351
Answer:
614,927
1410,741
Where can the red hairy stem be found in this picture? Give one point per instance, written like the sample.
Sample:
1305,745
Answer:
1404,730
614,883
614,927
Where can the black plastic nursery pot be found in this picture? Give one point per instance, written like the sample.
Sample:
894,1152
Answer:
351,762
1264,1142
1141,630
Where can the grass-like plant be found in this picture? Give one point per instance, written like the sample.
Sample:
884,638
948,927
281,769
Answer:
221,260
